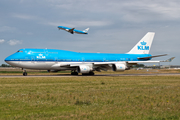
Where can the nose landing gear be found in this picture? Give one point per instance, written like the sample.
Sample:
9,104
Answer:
24,72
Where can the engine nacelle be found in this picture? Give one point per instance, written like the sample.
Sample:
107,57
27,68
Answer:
83,69
118,67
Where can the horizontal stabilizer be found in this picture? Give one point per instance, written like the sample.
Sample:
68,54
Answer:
144,58
136,62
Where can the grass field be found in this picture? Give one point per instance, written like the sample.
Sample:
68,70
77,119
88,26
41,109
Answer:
134,97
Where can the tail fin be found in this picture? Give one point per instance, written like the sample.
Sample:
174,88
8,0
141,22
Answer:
86,30
144,45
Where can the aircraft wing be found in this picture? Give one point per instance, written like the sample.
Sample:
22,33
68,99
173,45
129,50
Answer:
74,64
71,30
143,62
98,66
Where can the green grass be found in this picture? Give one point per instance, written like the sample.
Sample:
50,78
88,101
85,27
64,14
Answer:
139,97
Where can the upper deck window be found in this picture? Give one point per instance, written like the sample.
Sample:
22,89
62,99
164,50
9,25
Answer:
19,51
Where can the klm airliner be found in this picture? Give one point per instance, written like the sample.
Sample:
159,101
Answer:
85,63
73,30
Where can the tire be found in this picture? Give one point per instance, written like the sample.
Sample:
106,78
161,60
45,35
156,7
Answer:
24,73
84,74
74,73
91,73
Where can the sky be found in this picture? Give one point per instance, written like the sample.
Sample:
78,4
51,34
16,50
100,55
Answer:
115,25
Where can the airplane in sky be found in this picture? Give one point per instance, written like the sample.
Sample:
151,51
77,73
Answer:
73,30
85,63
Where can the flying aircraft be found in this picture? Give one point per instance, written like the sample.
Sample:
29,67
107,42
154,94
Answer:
73,30
85,63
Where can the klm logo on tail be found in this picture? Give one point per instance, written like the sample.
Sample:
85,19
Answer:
143,46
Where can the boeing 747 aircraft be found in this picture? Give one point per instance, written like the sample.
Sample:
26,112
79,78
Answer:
73,30
85,63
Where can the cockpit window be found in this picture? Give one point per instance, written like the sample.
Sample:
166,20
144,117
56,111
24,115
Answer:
19,51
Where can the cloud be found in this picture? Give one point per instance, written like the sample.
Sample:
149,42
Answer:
80,23
14,42
133,11
7,28
2,41
139,11
29,33
27,17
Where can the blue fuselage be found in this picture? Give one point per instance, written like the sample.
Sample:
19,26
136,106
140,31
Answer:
69,56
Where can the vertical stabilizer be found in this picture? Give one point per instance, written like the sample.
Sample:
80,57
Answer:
144,45
86,30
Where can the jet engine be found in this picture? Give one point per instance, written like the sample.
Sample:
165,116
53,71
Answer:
118,67
83,69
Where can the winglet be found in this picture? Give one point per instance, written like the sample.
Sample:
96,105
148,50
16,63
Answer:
168,60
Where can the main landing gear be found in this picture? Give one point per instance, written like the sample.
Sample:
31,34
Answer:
24,72
90,73
73,72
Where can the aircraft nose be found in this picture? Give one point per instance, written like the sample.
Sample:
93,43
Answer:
7,59
11,60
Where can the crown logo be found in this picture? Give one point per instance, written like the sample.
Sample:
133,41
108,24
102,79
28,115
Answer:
143,43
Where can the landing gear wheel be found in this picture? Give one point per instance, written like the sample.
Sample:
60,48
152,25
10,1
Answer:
74,73
91,73
25,73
